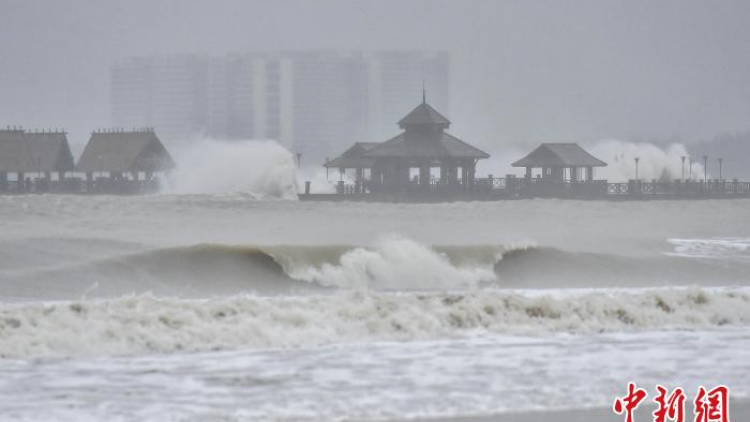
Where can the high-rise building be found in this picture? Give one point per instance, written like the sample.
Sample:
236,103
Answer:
168,93
315,103
395,85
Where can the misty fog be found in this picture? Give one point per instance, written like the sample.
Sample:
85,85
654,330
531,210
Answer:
521,72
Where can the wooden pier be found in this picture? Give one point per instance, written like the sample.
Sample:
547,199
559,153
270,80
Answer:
510,187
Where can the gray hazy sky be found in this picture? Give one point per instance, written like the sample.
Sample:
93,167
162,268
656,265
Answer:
522,71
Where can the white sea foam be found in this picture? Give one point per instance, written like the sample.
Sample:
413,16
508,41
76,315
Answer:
717,248
380,381
144,324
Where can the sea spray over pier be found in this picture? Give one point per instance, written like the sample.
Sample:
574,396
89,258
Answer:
260,167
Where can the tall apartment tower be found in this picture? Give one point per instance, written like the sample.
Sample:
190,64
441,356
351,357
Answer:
315,103
395,84
168,93
250,97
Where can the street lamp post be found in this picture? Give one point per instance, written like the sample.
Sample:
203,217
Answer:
683,167
637,159
705,168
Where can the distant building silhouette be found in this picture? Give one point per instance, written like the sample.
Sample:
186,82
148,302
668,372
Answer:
168,92
315,103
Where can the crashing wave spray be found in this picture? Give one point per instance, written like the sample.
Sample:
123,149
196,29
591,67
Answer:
260,167
654,162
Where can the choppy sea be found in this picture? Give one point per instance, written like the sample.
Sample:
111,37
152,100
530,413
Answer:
238,308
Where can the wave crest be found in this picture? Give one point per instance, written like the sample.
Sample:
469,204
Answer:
400,263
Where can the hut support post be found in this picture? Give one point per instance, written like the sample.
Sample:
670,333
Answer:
528,174
574,174
89,181
21,181
589,174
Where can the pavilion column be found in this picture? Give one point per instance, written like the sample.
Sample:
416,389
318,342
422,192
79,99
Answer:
21,177
528,174
404,173
424,174
464,175
453,173
89,181
471,171
589,174
359,180
448,172
574,174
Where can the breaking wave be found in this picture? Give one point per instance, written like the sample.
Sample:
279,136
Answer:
145,324
391,264
260,167
397,263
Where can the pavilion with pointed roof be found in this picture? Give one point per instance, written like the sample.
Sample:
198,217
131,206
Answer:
425,145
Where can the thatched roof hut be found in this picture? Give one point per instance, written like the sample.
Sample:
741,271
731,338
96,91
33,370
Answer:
125,152
34,152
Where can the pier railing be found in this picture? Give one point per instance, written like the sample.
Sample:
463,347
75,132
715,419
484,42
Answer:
76,185
510,187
